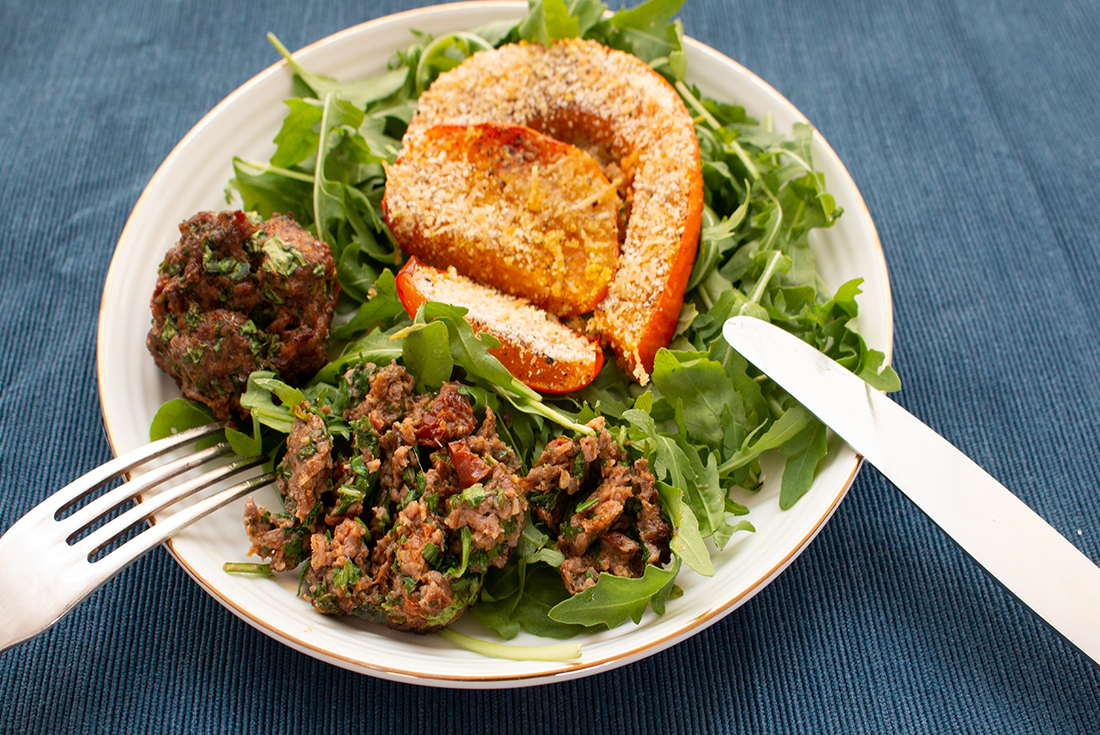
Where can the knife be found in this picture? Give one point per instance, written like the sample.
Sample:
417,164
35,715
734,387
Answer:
1034,562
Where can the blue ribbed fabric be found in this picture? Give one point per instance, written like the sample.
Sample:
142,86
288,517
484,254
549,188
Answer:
972,129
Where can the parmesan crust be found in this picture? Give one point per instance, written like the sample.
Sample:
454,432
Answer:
632,121
510,207
510,318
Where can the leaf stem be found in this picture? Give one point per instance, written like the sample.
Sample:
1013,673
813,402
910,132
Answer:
766,276
268,168
319,172
244,567
778,220
696,105
538,408
561,652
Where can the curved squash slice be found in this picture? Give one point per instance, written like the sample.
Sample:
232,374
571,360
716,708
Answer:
635,125
509,207
535,347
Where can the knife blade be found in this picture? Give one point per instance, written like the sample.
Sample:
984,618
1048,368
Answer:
1032,560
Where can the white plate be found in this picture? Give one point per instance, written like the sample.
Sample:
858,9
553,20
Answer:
193,178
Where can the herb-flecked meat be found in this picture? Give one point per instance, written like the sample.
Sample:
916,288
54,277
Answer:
602,508
393,530
400,511
238,294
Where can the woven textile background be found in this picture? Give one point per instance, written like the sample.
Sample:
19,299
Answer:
972,128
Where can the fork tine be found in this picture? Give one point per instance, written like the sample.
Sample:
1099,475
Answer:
115,468
129,552
108,532
110,500
69,576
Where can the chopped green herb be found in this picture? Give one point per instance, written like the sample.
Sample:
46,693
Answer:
346,575
587,504
280,258
431,554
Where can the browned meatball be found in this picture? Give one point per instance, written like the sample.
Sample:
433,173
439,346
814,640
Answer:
238,294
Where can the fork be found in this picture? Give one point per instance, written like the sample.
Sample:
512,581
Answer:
48,565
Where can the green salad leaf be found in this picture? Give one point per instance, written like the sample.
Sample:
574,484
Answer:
358,93
612,600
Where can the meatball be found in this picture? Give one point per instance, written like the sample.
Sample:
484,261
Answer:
238,294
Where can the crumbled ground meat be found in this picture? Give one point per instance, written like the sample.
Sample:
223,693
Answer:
400,518
555,477
278,537
615,553
654,531
494,514
384,403
486,443
307,466
238,294
382,512
602,508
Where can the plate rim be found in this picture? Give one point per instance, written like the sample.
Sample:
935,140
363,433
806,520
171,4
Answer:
690,626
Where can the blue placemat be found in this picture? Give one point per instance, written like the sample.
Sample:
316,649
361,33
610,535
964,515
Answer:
971,129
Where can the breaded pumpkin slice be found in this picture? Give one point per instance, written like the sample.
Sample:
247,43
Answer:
612,105
535,346
508,207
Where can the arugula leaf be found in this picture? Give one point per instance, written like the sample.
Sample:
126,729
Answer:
727,529
547,21
337,118
497,32
614,599
804,453
267,191
782,430
297,140
543,592
180,414
588,14
358,93
246,445
427,355
704,491
651,32
379,347
445,53
535,546
709,400
380,309
257,398
687,541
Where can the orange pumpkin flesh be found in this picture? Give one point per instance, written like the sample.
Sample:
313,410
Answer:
540,352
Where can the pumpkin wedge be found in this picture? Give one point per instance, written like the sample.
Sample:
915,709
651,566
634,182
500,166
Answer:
535,346
634,124
508,207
